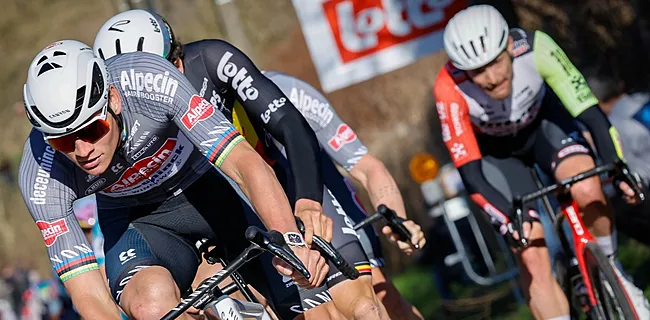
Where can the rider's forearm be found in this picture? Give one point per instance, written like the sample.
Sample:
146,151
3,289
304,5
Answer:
604,135
379,183
90,297
258,182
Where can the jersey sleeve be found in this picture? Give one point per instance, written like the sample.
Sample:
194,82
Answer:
460,140
561,75
576,96
47,186
335,136
267,107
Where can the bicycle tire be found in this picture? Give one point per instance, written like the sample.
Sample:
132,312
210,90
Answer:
601,273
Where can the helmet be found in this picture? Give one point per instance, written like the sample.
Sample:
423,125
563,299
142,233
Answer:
134,30
66,86
475,36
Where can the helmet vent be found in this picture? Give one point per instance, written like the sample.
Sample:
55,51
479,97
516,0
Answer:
118,47
81,93
101,54
43,58
503,37
140,43
96,86
58,53
47,67
471,43
464,51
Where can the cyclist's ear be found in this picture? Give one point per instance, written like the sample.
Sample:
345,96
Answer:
114,101
511,45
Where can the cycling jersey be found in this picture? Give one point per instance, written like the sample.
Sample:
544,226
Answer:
226,77
168,131
466,112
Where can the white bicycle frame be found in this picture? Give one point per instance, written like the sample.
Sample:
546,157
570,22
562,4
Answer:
226,308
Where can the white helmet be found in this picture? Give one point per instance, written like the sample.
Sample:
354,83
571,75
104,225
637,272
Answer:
134,30
475,36
66,86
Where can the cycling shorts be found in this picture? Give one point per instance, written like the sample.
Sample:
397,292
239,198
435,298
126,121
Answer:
164,234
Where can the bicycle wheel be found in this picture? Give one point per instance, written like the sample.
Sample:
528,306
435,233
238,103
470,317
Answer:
611,300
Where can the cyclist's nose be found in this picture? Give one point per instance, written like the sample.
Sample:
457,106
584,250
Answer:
82,148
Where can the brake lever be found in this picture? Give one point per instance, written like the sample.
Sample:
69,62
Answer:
273,242
397,225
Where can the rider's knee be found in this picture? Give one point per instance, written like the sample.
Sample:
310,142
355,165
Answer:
537,263
366,308
150,294
587,191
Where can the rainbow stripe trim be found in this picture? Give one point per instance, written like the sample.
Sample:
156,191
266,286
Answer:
75,266
222,147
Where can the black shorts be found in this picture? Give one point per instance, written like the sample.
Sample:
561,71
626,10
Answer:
339,203
550,139
164,234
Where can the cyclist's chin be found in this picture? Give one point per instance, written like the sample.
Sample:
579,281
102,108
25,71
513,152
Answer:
99,168
501,92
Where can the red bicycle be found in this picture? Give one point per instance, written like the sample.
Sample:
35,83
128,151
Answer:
605,296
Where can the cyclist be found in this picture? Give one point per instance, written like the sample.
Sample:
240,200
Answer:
494,105
134,132
341,144
207,65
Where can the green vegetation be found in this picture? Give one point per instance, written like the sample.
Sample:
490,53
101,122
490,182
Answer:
416,284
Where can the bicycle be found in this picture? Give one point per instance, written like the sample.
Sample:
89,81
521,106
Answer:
216,303
606,297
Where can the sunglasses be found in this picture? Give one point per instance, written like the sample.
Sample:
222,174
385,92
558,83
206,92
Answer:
94,131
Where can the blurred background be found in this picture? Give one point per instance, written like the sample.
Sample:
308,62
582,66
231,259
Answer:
390,107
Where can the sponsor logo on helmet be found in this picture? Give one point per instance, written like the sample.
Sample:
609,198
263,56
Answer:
241,80
272,107
53,44
344,135
60,113
150,86
42,180
311,108
114,26
154,23
51,231
199,109
93,187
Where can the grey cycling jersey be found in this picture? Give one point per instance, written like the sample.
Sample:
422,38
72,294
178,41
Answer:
335,136
168,132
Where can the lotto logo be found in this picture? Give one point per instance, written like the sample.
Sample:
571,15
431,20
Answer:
362,28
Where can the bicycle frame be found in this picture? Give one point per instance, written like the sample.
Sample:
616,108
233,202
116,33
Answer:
581,236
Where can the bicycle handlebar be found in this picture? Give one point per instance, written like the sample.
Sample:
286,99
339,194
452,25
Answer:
618,168
392,220
261,241
330,254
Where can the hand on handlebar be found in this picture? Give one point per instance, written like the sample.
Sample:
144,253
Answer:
417,237
313,261
314,220
628,193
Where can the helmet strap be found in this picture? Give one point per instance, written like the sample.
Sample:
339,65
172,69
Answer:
120,126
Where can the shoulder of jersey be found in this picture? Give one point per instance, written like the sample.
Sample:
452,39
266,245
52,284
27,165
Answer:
450,76
522,40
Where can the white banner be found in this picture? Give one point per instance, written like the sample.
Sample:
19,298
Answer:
353,40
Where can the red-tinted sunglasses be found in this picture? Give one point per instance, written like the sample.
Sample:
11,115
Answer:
91,134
